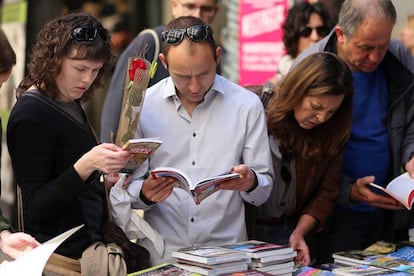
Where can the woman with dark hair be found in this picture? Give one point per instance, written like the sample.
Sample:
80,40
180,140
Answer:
55,154
309,120
305,24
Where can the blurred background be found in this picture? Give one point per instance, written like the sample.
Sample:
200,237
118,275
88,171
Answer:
22,19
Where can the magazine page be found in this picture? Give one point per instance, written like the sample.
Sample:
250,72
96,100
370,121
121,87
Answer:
34,261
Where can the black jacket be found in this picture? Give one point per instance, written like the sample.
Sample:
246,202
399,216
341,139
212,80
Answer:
44,143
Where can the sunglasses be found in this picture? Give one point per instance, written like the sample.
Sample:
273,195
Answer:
195,33
84,33
307,31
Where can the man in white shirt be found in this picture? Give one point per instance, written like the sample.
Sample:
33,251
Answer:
208,126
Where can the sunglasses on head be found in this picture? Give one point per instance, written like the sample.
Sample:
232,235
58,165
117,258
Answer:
195,33
84,33
307,31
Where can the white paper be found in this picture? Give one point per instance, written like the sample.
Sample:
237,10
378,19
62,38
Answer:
34,261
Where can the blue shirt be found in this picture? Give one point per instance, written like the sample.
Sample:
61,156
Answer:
368,151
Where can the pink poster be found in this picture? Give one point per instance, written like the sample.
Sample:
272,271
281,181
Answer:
260,39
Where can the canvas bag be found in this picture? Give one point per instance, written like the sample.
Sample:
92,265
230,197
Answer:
103,259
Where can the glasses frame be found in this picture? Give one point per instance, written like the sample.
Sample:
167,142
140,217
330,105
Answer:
88,33
320,30
175,36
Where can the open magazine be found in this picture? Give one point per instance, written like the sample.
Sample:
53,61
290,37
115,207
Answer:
401,188
34,261
199,190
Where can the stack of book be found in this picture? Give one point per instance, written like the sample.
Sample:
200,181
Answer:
366,270
211,260
400,258
268,257
165,269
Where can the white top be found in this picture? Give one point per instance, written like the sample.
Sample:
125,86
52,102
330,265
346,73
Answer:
228,128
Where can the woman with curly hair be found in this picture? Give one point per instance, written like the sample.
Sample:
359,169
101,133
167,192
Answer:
56,158
305,25
309,120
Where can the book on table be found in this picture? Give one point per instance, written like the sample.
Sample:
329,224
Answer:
400,188
365,270
273,259
278,268
250,272
302,270
394,256
199,190
210,255
141,149
213,270
260,249
165,269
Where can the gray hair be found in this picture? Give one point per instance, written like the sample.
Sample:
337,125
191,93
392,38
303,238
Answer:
354,12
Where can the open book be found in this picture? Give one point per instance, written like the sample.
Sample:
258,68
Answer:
141,149
199,190
401,188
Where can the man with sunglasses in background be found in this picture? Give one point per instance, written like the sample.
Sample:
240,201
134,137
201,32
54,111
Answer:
381,144
208,126
204,9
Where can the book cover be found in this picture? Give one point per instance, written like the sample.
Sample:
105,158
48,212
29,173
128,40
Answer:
275,258
312,271
404,253
261,264
400,188
372,252
366,270
352,257
140,149
209,255
199,190
165,269
282,268
260,249
393,263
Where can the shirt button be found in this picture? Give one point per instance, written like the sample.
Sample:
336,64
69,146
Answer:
194,134
193,163
192,219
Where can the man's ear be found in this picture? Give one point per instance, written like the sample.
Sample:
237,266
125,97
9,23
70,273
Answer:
163,60
340,34
174,5
218,54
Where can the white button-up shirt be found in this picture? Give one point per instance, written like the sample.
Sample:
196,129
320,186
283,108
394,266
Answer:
228,128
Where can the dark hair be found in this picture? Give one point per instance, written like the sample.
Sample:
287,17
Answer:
318,74
184,22
55,42
298,17
7,54
354,13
